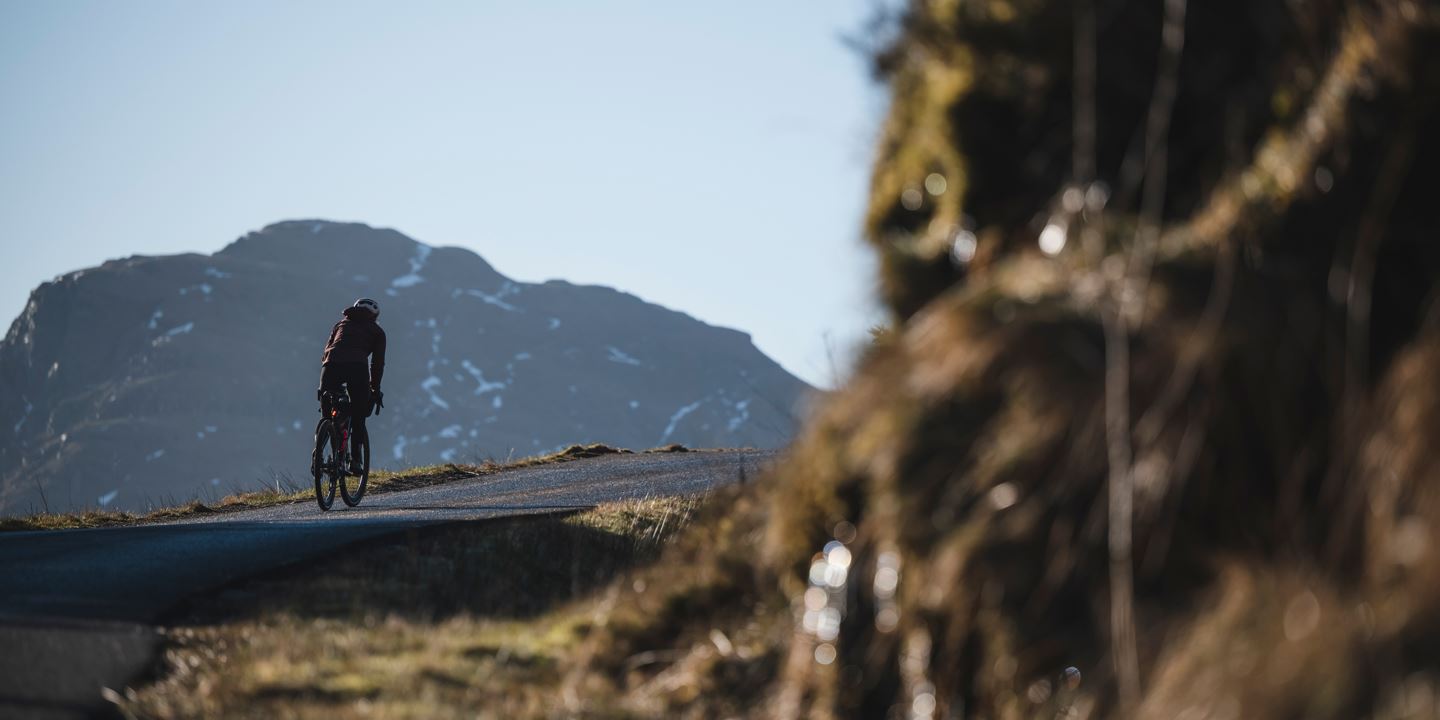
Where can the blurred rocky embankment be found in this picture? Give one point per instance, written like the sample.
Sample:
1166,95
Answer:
1154,431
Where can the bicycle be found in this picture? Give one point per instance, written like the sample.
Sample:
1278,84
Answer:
333,448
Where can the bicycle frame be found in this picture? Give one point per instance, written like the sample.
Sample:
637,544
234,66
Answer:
342,449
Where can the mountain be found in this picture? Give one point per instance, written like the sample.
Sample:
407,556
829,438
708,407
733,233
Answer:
157,379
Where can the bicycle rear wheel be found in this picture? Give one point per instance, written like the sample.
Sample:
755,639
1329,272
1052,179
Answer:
323,465
352,487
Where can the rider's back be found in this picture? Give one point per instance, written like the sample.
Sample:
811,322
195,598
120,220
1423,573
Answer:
354,338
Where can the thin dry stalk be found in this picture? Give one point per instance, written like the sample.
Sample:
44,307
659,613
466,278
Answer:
1128,307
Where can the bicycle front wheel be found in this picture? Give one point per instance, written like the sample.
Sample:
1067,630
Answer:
352,487
324,464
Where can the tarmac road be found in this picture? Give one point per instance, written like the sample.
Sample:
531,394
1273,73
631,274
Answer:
77,607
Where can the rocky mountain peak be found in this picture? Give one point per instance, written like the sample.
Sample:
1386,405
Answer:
150,379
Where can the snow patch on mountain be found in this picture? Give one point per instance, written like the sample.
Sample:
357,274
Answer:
172,333
435,337
742,413
483,386
417,263
619,356
498,299
429,385
675,419
24,416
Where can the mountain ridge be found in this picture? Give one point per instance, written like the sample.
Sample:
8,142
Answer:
130,368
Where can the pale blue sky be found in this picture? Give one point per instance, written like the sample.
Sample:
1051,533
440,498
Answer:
711,157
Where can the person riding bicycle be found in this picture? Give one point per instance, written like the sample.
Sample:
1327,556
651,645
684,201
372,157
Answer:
353,339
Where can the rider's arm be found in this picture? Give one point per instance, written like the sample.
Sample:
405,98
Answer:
333,332
377,361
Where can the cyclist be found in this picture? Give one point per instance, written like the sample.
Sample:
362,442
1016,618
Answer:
356,337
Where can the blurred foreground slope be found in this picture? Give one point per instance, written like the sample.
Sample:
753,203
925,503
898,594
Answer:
1154,432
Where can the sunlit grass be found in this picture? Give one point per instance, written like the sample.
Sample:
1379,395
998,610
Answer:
472,619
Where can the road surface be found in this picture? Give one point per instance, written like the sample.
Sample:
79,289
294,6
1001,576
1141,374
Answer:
78,607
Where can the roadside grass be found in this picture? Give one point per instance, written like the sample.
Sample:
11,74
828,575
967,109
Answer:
381,481
467,620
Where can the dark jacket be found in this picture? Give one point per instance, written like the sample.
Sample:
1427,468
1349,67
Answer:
356,336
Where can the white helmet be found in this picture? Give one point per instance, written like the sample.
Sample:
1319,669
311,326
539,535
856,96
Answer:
370,305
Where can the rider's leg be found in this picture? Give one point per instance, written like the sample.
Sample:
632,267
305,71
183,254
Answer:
357,379
331,379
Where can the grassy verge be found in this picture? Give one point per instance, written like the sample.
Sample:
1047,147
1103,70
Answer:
465,620
380,482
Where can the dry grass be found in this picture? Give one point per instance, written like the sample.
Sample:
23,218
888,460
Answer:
472,619
112,518
381,481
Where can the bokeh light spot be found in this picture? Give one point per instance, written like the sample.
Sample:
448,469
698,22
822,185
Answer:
935,184
911,199
1004,495
1073,200
963,250
1052,239
1072,677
